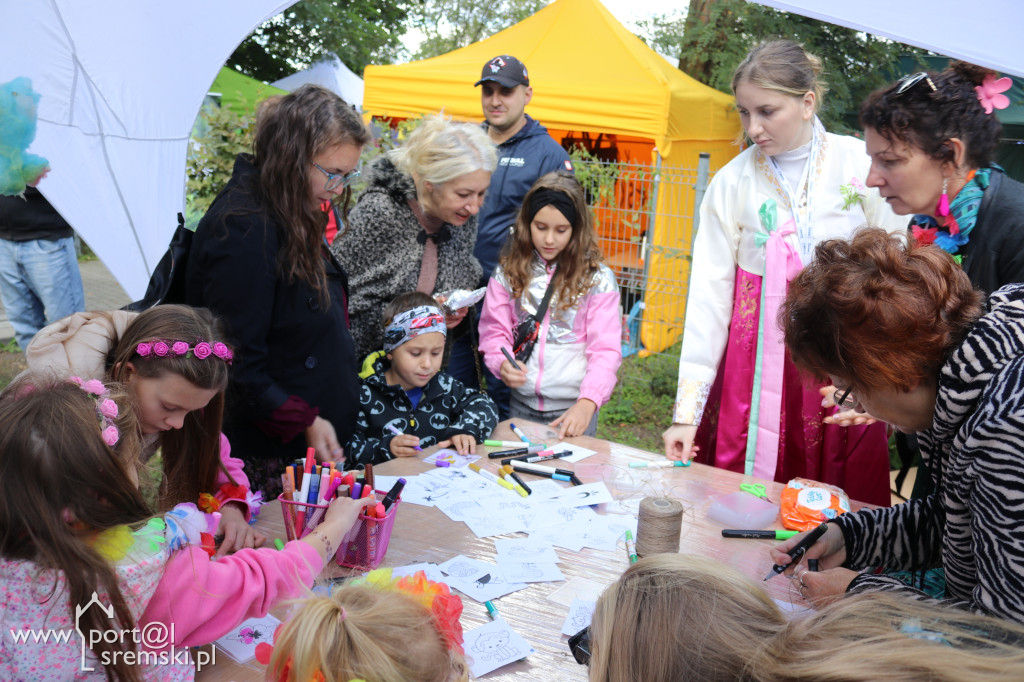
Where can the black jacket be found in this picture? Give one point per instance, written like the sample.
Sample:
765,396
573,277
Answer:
447,408
31,217
994,255
287,343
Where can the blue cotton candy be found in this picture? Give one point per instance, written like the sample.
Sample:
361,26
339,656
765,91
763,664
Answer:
18,168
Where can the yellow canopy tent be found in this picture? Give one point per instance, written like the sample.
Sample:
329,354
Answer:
591,76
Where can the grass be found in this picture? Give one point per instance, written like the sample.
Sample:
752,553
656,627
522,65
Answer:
640,408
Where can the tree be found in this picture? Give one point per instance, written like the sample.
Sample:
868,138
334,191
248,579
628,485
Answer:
451,24
715,35
359,32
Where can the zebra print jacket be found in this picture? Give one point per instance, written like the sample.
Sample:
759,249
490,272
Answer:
973,524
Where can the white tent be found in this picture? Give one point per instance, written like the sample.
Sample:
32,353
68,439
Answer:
121,82
986,34
331,74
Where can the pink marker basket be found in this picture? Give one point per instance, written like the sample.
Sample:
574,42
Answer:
365,545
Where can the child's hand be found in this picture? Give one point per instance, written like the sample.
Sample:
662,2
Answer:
340,518
512,377
321,436
403,445
462,442
453,320
576,419
237,533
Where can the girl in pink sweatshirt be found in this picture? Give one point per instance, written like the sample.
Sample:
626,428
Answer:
90,581
567,358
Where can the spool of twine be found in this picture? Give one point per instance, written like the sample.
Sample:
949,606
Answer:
658,526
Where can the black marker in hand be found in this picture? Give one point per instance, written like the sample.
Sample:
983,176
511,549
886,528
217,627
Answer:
799,550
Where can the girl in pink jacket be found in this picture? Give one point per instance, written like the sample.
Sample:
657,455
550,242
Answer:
566,358
91,582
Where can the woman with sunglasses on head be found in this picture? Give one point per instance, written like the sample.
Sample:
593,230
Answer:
414,227
740,404
673,617
260,262
904,331
932,139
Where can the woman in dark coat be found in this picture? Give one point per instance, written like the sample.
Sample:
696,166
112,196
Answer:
259,260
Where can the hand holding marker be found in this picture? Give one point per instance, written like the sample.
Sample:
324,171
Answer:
799,550
392,429
508,356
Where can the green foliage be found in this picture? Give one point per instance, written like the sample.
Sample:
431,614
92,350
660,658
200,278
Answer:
359,32
715,35
451,24
11,346
222,135
640,408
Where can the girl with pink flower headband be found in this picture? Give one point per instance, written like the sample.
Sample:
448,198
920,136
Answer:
79,541
174,362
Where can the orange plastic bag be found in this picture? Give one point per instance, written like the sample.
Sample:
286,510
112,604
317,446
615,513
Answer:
806,503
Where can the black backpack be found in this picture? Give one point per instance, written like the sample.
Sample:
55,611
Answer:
167,283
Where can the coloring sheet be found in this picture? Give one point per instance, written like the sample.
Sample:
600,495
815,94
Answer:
555,535
607,532
577,589
585,495
453,458
478,580
431,570
580,613
536,572
493,645
522,550
240,644
578,452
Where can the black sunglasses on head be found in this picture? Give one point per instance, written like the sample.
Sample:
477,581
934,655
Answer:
910,80
579,645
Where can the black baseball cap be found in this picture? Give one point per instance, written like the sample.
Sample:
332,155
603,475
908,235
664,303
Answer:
506,70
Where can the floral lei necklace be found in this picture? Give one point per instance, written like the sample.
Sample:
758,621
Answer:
963,214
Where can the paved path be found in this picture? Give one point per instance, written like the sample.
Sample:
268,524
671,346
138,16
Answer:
102,292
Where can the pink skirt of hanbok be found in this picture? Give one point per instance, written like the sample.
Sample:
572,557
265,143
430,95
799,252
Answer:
855,458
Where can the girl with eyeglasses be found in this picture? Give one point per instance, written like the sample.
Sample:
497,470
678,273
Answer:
740,404
260,262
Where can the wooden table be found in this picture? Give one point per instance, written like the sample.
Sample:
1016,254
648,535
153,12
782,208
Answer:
425,534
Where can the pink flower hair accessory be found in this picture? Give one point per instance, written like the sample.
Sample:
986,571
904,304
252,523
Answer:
174,348
990,93
106,409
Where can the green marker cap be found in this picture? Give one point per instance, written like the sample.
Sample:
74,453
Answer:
279,543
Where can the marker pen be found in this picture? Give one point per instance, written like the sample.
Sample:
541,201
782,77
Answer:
314,519
548,454
504,443
442,463
490,476
356,491
393,494
631,547
303,493
661,464
506,474
515,452
392,429
519,433
799,550
530,466
278,543
368,475
522,484
325,481
491,611
766,534
512,360
557,477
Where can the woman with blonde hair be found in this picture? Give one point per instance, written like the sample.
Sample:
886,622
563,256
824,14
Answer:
414,228
740,404
682,617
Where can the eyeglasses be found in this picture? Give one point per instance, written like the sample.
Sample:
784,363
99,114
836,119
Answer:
845,399
579,645
336,180
910,80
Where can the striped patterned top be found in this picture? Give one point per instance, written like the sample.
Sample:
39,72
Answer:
973,525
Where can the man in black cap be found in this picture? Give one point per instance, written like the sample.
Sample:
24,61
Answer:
525,152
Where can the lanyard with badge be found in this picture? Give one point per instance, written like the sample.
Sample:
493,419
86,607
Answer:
800,205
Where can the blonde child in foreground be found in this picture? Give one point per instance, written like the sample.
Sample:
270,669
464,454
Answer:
682,617
571,370
378,630
73,525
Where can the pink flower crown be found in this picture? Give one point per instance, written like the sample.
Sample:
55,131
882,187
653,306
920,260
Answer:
106,409
202,350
